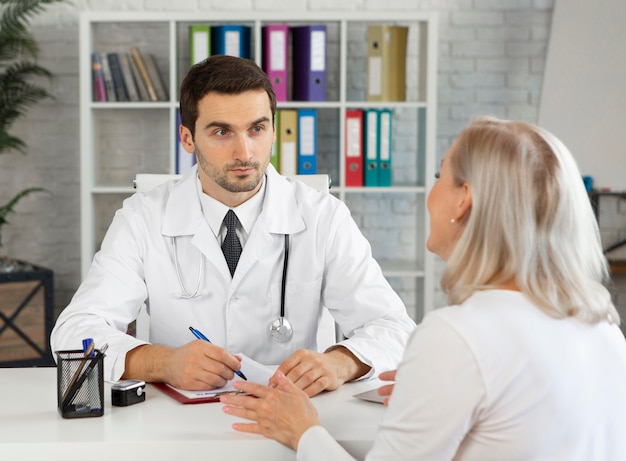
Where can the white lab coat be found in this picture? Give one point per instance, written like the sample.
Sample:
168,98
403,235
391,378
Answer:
330,264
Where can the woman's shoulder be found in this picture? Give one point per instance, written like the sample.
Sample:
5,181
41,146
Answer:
483,311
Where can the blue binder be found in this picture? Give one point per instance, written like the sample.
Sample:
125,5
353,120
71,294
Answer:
385,117
231,39
307,141
370,147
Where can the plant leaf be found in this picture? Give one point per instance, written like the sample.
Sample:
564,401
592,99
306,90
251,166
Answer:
8,207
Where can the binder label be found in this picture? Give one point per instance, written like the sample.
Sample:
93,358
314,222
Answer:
318,50
307,132
200,46
372,135
354,133
288,159
277,50
375,76
232,39
385,135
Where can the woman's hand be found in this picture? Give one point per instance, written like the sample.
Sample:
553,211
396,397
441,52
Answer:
282,412
386,390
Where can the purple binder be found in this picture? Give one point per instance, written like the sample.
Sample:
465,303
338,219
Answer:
309,63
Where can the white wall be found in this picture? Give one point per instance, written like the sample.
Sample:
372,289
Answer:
491,60
584,100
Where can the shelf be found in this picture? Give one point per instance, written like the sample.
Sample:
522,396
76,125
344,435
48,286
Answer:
120,139
131,105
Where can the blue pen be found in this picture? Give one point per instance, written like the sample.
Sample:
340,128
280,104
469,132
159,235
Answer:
199,335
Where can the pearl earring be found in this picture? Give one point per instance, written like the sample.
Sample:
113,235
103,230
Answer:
453,220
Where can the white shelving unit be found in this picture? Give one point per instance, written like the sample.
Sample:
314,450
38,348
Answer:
120,139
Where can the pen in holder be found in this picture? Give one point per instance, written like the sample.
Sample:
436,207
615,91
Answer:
80,383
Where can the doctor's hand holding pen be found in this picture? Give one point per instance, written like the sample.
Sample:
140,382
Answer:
197,365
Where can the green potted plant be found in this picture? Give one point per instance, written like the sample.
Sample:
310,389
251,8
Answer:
25,289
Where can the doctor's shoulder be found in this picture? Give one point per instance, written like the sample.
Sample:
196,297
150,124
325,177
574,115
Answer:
318,205
148,205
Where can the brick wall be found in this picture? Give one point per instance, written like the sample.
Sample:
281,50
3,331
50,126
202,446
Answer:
491,60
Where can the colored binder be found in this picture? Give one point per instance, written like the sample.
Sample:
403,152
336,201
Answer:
184,160
274,62
231,40
386,62
384,147
370,147
354,148
275,155
394,52
199,43
307,141
375,63
309,62
288,142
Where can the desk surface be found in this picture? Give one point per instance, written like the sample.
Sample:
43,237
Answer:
159,428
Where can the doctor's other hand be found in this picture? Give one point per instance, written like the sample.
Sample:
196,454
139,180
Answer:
283,412
387,389
197,365
314,372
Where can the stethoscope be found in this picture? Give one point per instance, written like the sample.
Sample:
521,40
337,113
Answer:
280,329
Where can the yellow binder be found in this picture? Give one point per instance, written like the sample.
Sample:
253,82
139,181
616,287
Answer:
288,142
387,47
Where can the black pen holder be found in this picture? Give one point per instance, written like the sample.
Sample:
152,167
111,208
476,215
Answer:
80,384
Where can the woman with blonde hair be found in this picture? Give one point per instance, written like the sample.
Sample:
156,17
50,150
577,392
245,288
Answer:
527,362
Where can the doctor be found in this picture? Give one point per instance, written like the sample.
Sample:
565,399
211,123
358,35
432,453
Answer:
298,251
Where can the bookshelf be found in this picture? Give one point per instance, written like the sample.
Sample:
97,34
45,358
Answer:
120,139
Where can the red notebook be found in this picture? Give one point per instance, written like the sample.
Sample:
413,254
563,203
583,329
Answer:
254,371
192,396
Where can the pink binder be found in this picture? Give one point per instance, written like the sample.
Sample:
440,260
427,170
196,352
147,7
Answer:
274,62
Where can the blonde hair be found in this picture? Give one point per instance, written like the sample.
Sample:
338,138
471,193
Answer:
530,221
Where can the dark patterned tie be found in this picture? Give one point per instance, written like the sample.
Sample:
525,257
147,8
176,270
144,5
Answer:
231,246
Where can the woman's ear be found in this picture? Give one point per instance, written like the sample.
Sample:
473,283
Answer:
465,201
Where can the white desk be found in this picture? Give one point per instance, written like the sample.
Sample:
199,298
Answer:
160,428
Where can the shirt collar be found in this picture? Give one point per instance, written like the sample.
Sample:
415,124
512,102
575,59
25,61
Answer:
247,213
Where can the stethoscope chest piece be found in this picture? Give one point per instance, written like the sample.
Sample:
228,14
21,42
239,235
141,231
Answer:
281,330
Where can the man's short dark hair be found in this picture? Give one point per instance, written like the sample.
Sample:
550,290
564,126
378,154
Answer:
225,75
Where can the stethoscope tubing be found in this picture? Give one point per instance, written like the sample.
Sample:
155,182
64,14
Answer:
283,288
284,281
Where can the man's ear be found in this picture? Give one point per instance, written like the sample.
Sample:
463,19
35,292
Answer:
465,201
186,139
